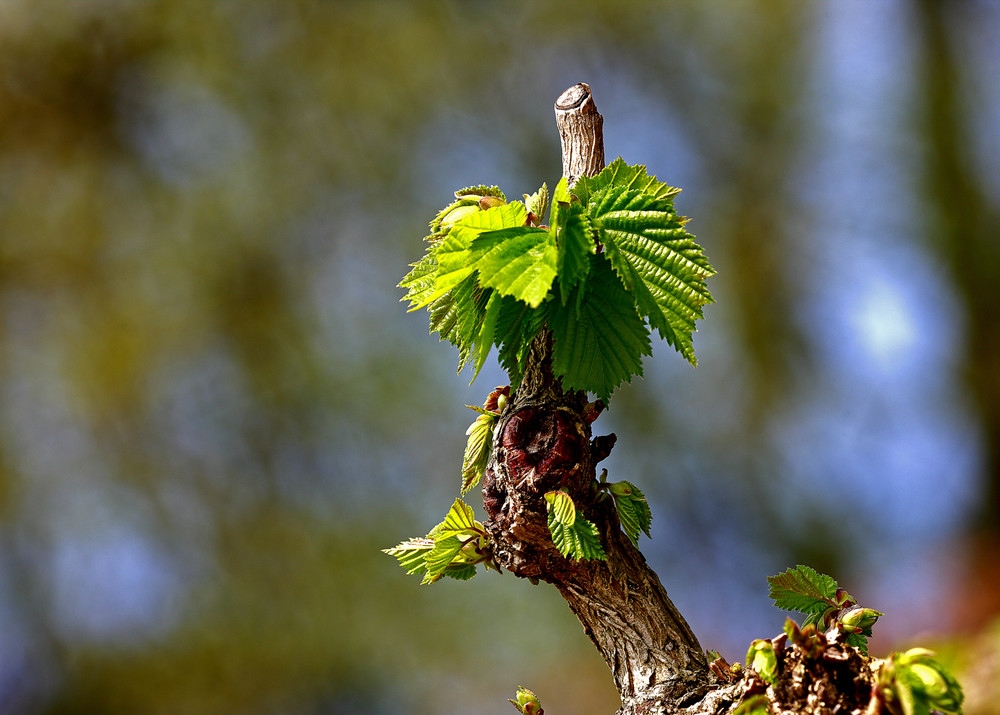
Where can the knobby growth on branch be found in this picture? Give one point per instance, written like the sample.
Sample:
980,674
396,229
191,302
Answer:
570,306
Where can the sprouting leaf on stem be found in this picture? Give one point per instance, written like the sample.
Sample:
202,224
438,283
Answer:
802,589
827,605
575,537
526,702
480,434
452,548
633,509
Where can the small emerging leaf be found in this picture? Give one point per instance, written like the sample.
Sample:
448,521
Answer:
562,507
575,537
633,509
477,451
762,658
538,201
527,702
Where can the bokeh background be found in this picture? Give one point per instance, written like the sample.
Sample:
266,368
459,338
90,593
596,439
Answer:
214,411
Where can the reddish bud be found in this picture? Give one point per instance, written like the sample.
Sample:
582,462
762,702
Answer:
592,411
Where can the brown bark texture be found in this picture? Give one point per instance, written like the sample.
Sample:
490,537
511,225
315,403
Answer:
542,442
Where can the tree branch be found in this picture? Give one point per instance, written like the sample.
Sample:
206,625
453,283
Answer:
543,442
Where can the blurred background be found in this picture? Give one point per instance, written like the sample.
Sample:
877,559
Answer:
214,411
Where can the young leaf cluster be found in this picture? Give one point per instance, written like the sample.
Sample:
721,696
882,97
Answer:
613,263
826,605
452,548
914,682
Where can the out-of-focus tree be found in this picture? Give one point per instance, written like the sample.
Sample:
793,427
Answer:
210,394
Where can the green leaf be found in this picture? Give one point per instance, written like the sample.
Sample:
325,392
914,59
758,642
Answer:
802,589
469,309
620,174
575,240
486,333
537,202
499,217
657,260
857,640
420,281
461,572
519,262
440,557
412,553
456,258
562,508
575,537
645,241
633,509
516,327
561,199
452,258
477,451
459,520
598,338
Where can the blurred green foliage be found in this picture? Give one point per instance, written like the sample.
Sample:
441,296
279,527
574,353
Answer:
215,413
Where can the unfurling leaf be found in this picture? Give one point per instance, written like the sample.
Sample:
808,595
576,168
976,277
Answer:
480,434
575,537
762,658
633,509
445,551
562,508
537,202
477,451
452,548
